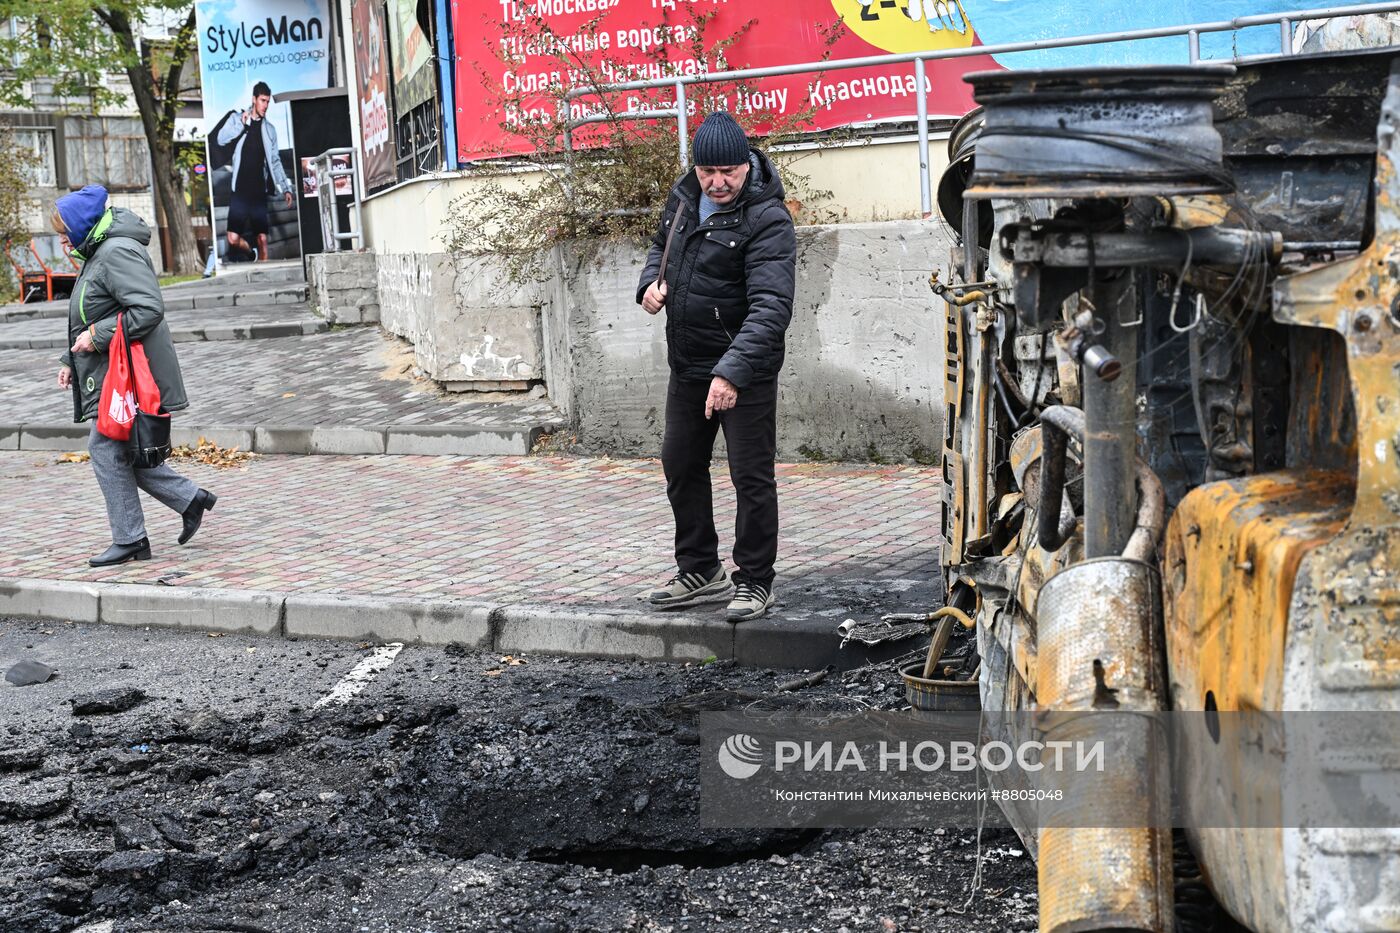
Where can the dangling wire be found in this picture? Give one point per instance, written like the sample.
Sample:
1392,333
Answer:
1176,292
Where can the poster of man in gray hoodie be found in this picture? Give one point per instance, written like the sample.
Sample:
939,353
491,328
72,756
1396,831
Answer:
256,165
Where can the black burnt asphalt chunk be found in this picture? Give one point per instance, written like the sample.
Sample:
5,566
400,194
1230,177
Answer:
26,800
21,759
100,702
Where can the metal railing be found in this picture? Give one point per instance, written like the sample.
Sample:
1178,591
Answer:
1192,32
327,173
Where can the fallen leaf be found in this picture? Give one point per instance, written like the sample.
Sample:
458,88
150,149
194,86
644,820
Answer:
289,395
215,634
207,452
494,672
73,458
512,660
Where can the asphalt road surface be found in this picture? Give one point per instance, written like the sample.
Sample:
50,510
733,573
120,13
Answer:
241,784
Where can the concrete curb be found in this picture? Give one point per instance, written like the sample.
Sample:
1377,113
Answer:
39,311
263,330
454,441
50,599
258,297
375,618
611,633
277,272
604,632
245,611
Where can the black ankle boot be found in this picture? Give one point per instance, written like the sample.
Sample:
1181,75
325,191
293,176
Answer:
121,553
203,502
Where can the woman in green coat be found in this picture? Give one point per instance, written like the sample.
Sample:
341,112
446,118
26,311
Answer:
118,278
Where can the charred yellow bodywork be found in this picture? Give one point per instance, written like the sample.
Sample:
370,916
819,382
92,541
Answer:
1282,592
1232,554
1231,559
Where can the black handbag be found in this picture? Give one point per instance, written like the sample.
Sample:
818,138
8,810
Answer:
150,432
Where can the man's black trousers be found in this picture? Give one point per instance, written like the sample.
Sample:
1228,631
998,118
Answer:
751,435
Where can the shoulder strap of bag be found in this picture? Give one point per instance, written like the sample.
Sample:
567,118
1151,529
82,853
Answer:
130,364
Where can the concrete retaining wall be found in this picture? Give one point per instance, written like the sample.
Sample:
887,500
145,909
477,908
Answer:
342,287
470,327
870,180
863,378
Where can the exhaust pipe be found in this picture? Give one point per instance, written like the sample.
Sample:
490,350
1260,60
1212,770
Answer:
1104,863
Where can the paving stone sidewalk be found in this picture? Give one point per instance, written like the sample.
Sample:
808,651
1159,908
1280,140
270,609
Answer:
356,377
856,541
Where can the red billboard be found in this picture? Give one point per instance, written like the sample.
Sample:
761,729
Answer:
500,58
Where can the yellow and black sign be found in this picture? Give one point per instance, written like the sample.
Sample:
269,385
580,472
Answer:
907,25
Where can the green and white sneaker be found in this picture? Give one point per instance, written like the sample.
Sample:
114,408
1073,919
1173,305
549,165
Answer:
751,601
690,587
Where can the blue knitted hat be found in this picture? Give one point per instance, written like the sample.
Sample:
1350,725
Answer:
81,210
721,141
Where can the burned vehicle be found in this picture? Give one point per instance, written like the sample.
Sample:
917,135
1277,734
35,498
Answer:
1172,448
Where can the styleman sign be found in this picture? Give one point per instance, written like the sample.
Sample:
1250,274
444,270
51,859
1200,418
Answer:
648,39
221,41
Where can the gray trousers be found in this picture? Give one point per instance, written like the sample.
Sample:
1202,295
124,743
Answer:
119,481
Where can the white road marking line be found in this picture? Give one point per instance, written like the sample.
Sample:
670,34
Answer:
360,677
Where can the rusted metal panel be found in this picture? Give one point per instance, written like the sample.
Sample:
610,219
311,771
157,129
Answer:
1346,606
1283,593
955,488
1321,430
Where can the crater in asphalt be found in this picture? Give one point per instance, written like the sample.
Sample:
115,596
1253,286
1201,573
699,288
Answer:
599,782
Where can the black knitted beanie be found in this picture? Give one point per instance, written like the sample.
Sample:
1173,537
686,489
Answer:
720,141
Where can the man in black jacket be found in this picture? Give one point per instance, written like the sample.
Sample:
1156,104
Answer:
727,290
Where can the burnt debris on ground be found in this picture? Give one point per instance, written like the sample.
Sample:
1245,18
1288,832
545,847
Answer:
466,792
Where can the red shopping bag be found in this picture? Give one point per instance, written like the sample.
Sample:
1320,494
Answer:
127,386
